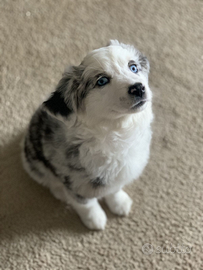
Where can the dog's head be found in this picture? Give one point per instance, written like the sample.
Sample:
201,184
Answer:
110,82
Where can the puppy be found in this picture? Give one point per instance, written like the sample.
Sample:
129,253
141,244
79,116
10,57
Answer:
92,136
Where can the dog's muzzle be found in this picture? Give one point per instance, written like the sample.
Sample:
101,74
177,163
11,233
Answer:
137,90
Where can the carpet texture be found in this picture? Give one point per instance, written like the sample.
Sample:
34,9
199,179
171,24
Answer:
37,40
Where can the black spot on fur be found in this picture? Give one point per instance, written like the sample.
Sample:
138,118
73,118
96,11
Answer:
57,105
98,182
72,151
27,152
76,168
50,128
29,157
67,182
79,196
80,199
48,131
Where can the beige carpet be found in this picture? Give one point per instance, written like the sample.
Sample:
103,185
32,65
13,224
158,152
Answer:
37,39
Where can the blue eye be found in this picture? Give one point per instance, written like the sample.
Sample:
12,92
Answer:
134,68
102,81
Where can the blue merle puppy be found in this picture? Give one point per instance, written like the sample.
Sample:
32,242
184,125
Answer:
92,136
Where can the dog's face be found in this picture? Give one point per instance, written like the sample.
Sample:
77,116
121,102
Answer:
110,82
119,81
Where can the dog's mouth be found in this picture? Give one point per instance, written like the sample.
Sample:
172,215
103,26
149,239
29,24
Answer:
139,103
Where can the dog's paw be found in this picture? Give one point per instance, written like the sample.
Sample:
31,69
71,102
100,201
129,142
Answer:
94,217
119,203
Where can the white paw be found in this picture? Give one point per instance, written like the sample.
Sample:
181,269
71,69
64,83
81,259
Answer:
93,216
95,219
119,203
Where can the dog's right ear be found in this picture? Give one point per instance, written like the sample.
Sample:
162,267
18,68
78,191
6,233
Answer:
113,42
60,103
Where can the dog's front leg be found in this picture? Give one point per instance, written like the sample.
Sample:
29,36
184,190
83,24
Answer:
119,203
91,214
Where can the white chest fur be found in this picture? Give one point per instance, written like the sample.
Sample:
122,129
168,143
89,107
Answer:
118,155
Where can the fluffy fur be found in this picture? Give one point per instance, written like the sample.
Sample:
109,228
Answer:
87,141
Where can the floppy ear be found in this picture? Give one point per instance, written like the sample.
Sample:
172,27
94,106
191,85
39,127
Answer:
59,103
144,62
114,42
69,94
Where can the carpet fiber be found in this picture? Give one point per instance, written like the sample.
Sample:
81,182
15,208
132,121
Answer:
37,39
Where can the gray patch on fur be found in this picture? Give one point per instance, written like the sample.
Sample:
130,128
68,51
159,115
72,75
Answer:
98,182
40,129
76,168
80,199
46,135
30,156
72,151
144,62
67,182
75,92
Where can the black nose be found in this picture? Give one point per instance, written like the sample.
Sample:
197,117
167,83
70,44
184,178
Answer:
137,90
